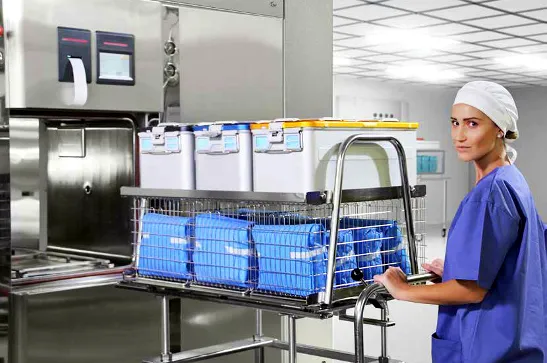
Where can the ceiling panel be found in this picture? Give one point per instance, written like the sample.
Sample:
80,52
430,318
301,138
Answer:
479,36
507,43
360,29
464,13
517,5
485,30
449,29
369,12
410,21
502,21
345,3
423,5
538,14
527,29
338,21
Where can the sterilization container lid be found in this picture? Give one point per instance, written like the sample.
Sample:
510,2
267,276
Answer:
169,127
361,124
226,126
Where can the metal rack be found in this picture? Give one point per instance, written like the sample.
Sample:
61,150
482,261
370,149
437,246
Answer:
300,255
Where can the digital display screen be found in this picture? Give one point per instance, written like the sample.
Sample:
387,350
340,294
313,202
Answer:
115,66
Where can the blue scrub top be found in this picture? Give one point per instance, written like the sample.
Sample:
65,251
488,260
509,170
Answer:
498,240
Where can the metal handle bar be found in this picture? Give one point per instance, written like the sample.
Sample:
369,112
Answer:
334,224
366,294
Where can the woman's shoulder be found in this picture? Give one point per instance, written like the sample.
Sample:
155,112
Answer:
504,188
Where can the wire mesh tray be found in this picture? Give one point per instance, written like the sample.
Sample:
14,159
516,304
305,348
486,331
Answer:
259,248
28,265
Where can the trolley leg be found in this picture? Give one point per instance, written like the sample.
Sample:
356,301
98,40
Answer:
259,353
292,339
165,337
383,357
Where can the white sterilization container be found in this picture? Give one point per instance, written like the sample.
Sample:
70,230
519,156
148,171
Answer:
299,156
166,157
224,157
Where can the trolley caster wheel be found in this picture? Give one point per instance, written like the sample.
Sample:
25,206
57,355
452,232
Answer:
443,232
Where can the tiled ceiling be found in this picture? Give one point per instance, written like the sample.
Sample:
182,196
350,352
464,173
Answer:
444,42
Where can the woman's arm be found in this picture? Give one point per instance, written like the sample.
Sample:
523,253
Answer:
453,292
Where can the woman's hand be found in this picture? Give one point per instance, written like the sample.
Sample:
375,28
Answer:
394,280
436,267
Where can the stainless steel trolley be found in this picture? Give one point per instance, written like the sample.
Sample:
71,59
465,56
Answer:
311,255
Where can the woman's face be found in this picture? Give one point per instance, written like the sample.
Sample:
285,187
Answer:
473,133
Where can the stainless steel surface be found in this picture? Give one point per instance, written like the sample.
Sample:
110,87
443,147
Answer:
165,335
212,194
96,220
334,225
368,293
259,353
33,265
326,353
258,7
308,58
315,198
17,325
231,65
292,339
28,182
31,50
215,351
95,324
206,323
383,333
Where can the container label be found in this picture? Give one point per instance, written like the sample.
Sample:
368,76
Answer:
293,142
172,144
146,144
262,143
230,144
202,144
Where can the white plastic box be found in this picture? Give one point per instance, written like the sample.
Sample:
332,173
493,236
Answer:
224,157
300,156
167,157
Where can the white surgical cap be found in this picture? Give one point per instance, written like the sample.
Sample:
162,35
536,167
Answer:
495,102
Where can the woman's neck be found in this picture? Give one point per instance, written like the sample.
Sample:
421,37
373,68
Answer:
488,163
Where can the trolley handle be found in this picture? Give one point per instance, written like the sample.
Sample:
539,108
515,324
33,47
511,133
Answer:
337,193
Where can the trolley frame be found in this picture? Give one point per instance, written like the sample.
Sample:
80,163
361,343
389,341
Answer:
323,305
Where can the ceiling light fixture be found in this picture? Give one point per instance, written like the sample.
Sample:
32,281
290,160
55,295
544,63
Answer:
425,73
409,39
524,60
343,62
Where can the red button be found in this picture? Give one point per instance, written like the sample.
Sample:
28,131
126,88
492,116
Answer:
1,31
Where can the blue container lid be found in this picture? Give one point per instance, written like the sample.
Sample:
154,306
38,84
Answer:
225,126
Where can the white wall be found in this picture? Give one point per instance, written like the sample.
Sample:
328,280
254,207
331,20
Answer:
532,124
430,106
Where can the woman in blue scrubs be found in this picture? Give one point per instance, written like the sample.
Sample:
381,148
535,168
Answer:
493,295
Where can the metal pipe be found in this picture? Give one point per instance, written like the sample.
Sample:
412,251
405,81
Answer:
292,339
259,352
165,337
17,326
383,332
337,193
362,301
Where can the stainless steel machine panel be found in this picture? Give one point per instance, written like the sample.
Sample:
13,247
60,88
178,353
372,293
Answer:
86,166
89,325
231,66
32,52
262,7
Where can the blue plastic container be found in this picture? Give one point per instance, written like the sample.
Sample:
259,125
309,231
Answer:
224,252
165,248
